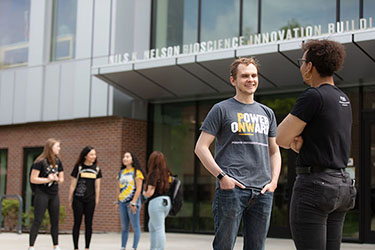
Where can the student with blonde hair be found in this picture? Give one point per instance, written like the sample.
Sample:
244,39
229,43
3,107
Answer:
46,175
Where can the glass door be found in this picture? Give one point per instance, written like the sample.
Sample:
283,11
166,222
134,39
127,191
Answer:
367,193
174,135
3,174
3,170
30,154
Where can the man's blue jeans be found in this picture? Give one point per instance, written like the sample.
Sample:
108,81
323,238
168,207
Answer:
127,217
232,205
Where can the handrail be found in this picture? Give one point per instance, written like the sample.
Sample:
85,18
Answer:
19,209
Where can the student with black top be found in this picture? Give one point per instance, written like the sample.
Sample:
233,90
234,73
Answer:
319,129
157,186
46,174
84,192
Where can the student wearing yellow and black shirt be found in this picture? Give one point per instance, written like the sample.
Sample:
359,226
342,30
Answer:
130,180
84,192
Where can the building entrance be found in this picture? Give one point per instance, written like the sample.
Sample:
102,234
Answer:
367,185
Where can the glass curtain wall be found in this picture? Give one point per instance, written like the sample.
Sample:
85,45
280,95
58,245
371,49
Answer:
369,9
282,105
175,22
369,104
219,19
206,184
174,135
349,10
63,29
289,14
14,30
250,17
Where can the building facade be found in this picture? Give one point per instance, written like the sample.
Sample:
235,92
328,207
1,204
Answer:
124,75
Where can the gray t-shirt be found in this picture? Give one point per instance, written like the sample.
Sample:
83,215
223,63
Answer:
242,132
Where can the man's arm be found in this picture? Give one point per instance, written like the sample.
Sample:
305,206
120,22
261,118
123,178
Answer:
289,131
275,161
203,152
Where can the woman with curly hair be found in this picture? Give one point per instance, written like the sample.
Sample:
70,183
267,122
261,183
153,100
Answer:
319,129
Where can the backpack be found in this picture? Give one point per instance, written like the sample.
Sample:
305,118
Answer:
175,193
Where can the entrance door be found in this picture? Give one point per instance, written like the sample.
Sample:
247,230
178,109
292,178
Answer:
30,154
367,192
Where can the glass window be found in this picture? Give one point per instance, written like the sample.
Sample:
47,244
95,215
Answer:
30,154
63,29
282,14
250,17
349,10
369,9
3,170
175,22
174,135
369,97
14,30
220,19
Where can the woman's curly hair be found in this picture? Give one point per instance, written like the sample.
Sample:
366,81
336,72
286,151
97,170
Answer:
327,56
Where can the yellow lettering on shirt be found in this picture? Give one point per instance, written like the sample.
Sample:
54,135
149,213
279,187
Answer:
88,175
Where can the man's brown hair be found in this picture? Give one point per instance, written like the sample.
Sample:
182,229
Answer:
242,60
327,56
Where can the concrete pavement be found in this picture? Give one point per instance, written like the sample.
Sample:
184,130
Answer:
175,241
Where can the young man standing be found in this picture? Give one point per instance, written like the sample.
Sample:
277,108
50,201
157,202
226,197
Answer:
247,161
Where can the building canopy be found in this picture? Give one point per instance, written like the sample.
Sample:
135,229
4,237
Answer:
207,74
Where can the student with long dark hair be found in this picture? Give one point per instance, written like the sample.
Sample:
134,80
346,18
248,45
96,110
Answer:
157,186
130,180
84,192
47,173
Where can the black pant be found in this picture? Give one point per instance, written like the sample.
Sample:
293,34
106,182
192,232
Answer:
81,208
42,201
318,208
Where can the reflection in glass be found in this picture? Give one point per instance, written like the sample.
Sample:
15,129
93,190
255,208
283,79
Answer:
30,154
281,106
64,29
14,32
352,218
174,135
175,22
206,182
3,170
220,19
278,15
372,181
369,9
349,10
250,17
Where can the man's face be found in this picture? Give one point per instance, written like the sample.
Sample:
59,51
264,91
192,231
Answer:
247,79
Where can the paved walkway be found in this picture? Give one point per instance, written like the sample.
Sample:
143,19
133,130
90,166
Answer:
111,241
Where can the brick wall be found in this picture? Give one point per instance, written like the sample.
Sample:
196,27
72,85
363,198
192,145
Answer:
111,136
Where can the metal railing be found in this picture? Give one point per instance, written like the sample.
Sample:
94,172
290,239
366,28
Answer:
19,209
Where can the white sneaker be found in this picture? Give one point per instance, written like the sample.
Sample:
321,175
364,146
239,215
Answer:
31,248
122,248
57,248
